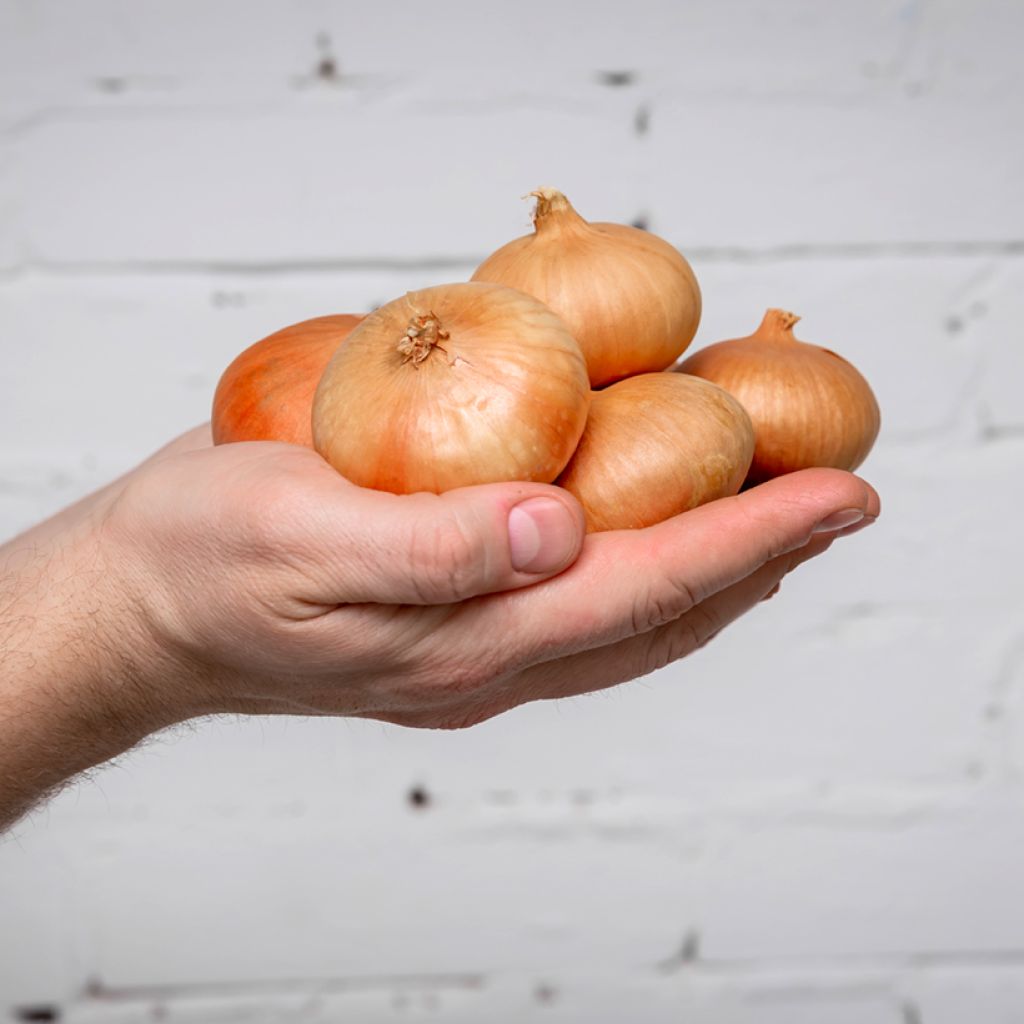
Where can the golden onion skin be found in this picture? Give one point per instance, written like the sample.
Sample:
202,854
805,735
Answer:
499,393
628,297
656,445
809,406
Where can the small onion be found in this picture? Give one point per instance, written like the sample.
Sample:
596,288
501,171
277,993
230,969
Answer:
809,406
266,394
656,445
450,386
628,297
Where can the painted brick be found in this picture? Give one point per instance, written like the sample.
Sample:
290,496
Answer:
813,820
841,121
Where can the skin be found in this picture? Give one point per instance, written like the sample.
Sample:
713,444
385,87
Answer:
253,579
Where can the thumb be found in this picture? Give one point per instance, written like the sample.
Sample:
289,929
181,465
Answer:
443,548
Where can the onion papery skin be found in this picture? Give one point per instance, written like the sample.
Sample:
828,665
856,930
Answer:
656,445
266,393
809,406
628,297
502,396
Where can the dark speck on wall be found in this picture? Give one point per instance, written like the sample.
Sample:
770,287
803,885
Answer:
418,797
911,1014
227,299
690,951
545,993
616,79
327,68
40,1012
111,84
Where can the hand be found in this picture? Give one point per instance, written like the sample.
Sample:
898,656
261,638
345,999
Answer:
252,578
271,584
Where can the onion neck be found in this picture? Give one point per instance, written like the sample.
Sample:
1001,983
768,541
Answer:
421,337
554,213
777,325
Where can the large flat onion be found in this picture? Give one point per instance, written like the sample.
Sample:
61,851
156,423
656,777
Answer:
450,386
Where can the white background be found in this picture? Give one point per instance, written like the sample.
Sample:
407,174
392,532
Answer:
817,820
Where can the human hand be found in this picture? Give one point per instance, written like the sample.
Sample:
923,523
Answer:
252,578
264,582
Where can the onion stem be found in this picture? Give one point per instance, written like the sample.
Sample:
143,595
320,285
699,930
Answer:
421,337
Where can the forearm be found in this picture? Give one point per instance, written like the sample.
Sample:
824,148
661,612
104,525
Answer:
71,691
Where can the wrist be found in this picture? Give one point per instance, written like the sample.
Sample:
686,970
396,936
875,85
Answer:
74,671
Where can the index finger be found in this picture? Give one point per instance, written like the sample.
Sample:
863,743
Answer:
628,582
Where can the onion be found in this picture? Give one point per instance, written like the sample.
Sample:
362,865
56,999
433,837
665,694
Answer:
628,297
656,445
809,406
266,394
449,386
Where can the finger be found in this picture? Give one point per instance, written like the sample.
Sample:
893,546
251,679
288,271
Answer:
442,549
640,655
628,582
604,667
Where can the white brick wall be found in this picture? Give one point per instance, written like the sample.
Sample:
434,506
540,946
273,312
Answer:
817,820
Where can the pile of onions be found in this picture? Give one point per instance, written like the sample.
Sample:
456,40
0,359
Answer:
809,406
490,380
628,297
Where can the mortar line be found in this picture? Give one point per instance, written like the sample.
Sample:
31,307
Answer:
752,967
329,265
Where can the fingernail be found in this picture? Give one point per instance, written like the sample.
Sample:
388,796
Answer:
542,535
859,525
840,520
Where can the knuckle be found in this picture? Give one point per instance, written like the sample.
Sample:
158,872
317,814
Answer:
678,639
662,604
455,680
462,680
459,695
444,677
781,528
445,563
668,646
263,522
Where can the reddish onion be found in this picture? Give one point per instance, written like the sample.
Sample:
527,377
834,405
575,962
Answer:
266,393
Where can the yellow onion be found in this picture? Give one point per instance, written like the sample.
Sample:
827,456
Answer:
450,386
656,445
809,406
628,297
